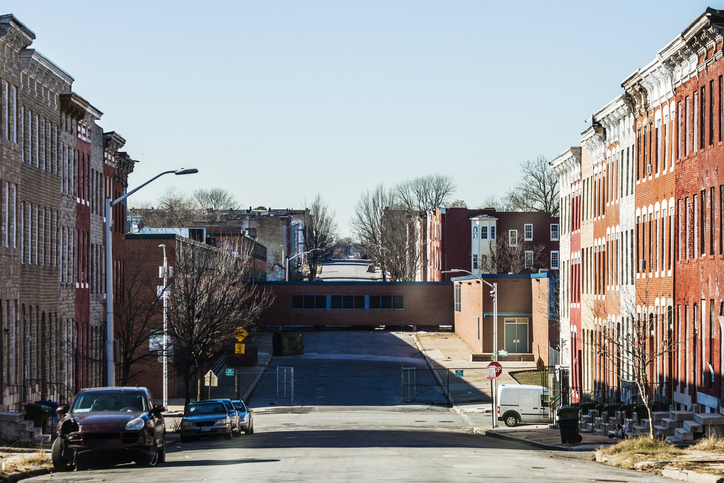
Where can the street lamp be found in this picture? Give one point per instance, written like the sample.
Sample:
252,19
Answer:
110,368
494,295
286,261
165,327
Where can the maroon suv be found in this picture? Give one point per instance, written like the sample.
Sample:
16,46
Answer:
120,422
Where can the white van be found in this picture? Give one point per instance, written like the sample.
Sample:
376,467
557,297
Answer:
521,403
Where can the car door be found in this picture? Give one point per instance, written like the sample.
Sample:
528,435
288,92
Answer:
529,403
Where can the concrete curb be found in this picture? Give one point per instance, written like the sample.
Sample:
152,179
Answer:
13,477
692,476
551,447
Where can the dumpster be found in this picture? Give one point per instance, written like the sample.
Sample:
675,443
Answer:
39,414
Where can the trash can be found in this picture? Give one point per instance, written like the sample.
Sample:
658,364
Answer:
569,430
568,412
39,414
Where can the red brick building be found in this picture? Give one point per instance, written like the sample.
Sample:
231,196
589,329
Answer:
459,238
651,210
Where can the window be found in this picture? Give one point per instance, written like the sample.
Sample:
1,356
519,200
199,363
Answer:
483,232
475,261
528,231
528,259
513,238
458,297
554,260
554,231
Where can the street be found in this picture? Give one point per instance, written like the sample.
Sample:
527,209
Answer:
347,423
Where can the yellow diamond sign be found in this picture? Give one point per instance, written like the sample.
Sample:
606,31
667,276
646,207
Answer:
240,333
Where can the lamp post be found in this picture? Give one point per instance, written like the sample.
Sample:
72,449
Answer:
286,261
110,359
165,327
494,295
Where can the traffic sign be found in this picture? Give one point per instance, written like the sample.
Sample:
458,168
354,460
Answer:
240,333
210,379
229,371
239,348
458,373
494,370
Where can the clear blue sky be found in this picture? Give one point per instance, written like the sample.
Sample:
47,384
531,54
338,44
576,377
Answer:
277,101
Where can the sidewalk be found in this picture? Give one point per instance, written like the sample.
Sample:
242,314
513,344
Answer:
471,394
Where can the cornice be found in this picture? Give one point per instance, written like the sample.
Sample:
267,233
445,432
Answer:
45,71
596,144
14,33
78,108
124,166
112,141
568,163
610,116
637,94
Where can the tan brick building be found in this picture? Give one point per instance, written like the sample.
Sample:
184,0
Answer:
55,170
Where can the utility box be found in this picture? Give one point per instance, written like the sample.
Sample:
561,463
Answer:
288,343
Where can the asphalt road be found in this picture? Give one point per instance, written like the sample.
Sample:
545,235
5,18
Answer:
346,423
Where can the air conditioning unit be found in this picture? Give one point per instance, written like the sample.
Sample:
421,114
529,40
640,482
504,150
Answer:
648,169
642,265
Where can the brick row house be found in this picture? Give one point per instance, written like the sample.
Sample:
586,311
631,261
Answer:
464,239
641,216
56,167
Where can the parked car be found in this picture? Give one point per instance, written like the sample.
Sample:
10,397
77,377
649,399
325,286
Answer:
233,414
122,421
522,403
245,417
206,418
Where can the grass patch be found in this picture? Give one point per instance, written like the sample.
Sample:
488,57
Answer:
25,462
528,377
631,451
710,444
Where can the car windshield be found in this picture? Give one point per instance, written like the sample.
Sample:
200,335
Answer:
239,405
95,401
206,408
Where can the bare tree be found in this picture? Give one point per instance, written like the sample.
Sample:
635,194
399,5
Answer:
399,248
367,223
633,345
500,204
211,294
212,203
457,204
537,189
522,257
135,312
174,209
320,233
424,193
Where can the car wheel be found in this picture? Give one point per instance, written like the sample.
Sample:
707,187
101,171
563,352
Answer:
250,430
185,439
60,463
149,459
162,453
511,419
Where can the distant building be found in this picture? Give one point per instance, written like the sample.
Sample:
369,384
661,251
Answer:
464,239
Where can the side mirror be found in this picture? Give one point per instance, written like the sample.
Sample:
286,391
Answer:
61,410
158,409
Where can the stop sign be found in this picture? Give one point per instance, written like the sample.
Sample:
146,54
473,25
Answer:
494,370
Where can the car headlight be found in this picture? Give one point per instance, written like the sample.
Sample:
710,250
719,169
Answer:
135,424
224,421
186,424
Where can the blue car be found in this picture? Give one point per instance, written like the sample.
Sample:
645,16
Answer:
246,421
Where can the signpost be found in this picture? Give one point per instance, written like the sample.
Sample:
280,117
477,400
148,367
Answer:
494,369
210,380
229,371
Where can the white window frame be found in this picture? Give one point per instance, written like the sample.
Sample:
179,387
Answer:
526,237
476,264
555,256
484,232
555,232
475,232
512,234
528,259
